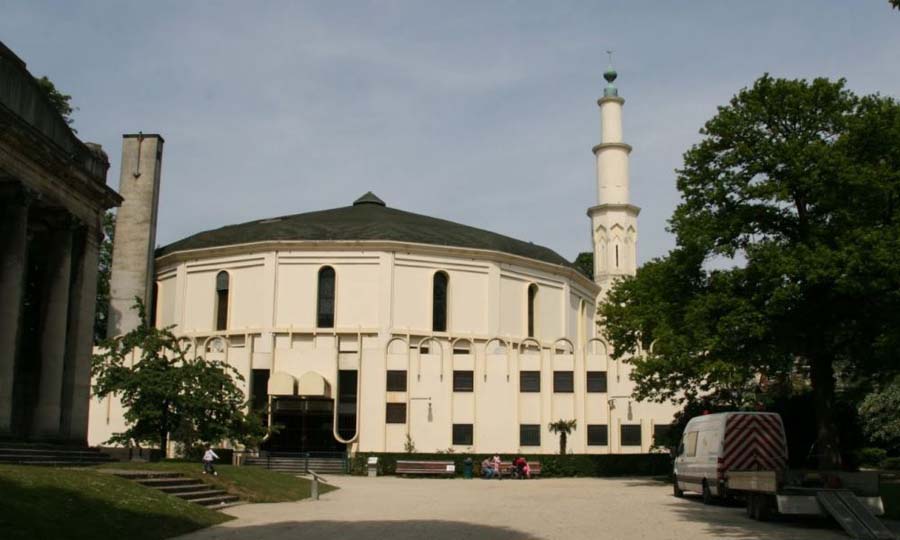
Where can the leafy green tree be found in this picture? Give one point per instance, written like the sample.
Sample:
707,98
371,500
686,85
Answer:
563,428
104,271
880,419
167,392
585,263
895,3
60,101
797,183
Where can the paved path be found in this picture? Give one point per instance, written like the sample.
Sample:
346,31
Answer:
564,508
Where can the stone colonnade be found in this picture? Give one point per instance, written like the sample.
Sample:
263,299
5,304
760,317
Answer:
48,281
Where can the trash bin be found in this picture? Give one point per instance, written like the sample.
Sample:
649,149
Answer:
372,464
467,468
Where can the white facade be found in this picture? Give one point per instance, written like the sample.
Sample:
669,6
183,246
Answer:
469,386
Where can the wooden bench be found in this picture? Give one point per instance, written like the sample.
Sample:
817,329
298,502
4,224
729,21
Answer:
434,468
506,468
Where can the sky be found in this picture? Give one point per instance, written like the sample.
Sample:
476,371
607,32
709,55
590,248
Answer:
483,112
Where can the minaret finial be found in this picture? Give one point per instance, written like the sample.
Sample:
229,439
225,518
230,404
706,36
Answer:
610,76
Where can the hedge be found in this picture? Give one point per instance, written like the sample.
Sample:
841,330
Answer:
586,465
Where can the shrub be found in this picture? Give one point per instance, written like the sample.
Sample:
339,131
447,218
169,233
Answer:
584,465
891,464
870,457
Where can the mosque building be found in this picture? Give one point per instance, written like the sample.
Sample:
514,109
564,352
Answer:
367,328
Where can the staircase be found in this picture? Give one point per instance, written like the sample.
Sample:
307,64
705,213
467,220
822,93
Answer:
300,463
50,455
182,487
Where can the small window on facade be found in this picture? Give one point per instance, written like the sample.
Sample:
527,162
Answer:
395,413
462,434
462,347
529,381
532,298
530,435
222,300
617,255
563,381
396,380
463,381
661,434
596,381
439,302
631,435
325,301
598,435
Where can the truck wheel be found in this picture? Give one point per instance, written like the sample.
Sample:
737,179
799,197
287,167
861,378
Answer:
707,494
675,489
763,511
751,506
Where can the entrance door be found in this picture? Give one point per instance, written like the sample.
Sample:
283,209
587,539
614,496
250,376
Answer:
305,425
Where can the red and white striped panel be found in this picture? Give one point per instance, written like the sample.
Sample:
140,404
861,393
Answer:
754,442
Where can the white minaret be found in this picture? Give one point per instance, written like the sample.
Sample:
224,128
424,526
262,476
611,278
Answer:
614,219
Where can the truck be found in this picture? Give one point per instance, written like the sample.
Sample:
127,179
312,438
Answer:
744,455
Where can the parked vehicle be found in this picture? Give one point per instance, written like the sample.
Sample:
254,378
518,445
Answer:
743,455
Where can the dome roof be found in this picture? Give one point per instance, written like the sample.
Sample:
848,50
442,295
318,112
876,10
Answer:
369,218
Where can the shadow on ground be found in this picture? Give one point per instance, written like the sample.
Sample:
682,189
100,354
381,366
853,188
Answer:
366,530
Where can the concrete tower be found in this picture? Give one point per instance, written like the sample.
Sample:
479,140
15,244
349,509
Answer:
614,219
135,241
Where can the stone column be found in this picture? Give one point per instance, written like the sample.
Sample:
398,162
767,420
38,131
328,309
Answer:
53,334
81,336
13,258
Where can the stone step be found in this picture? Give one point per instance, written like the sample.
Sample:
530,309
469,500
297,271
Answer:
167,482
146,475
203,493
216,501
186,488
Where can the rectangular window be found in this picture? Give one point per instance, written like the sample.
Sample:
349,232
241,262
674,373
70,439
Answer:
529,381
462,434
530,435
596,381
396,380
631,435
598,435
396,413
222,309
463,381
690,444
661,434
563,381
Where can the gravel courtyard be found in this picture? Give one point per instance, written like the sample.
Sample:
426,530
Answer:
563,508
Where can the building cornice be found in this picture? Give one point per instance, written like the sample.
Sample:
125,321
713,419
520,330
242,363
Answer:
604,146
171,259
604,207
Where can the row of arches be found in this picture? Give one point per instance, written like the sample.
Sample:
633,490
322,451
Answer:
325,300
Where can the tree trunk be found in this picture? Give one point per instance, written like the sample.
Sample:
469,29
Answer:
827,447
562,443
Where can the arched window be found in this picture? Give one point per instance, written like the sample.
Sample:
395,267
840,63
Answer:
325,301
222,300
532,296
439,302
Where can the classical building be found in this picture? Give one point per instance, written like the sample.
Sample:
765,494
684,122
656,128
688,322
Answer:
369,328
53,194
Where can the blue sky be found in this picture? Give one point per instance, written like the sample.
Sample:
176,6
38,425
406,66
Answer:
478,112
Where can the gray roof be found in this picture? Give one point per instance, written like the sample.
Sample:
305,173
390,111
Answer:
367,219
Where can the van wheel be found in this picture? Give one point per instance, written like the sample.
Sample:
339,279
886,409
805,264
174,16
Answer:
675,489
707,494
752,505
763,508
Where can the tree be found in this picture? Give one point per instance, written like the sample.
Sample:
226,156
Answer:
564,428
104,271
797,183
166,392
61,102
880,420
585,263
895,3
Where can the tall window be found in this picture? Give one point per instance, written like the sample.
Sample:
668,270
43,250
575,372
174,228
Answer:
532,297
439,302
222,300
325,302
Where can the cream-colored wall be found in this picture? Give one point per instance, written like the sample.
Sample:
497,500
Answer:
272,326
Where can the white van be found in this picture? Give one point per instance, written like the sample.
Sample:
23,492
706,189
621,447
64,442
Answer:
714,444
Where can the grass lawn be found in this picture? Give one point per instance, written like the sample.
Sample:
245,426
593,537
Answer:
251,484
890,496
40,502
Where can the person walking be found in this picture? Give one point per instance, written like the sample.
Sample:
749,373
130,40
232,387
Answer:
208,457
